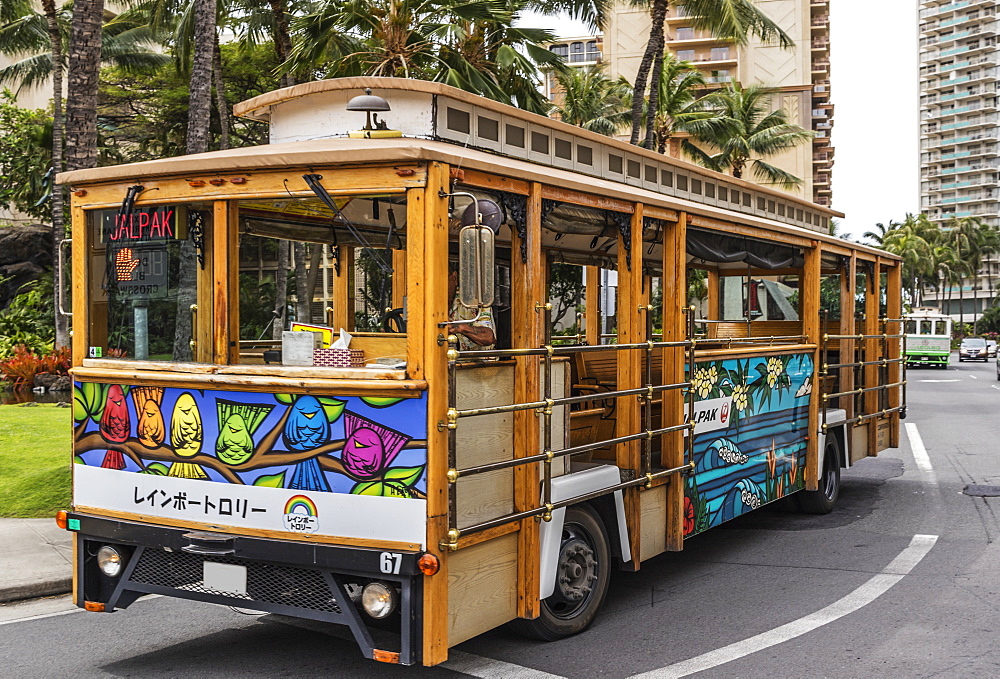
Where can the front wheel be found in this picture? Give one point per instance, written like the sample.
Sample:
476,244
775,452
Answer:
822,501
582,577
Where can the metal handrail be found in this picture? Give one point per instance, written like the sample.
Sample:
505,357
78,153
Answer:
545,409
770,340
862,337
648,390
883,363
855,392
545,511
869,416
556,454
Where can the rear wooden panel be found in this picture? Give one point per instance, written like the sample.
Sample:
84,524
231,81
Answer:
653,513
482,588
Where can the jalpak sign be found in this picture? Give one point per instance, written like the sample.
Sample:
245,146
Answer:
144,225
712,414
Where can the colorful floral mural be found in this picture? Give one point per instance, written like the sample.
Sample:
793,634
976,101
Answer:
759,455
359,445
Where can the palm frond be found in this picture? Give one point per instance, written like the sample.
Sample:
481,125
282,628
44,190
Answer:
771,174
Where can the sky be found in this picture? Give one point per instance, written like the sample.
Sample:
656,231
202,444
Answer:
875,88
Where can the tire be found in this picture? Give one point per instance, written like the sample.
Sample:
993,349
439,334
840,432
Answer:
583,574
823,501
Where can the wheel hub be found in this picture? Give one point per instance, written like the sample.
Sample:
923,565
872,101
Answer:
577,571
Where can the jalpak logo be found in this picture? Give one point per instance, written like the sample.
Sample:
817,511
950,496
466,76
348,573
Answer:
301,515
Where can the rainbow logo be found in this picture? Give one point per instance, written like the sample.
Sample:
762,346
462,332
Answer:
300,504
301,515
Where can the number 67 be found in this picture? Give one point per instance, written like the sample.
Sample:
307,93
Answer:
390,563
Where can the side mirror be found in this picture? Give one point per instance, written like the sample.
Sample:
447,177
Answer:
476,284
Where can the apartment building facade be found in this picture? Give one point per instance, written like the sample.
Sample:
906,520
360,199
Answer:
960,130
801,75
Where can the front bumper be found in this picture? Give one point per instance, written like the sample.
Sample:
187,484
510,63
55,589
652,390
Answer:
297,579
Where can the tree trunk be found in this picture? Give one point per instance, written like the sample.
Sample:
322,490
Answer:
303,298
654,45
198,132
654,99
58,227
200,101
315,264
282,38
975,303
81,102
220,95
280,290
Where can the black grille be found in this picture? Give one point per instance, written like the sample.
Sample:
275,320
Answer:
271,583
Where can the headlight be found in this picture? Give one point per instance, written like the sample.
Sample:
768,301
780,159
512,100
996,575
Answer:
109,561
379,599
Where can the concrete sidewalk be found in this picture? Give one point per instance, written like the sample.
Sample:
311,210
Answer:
37,559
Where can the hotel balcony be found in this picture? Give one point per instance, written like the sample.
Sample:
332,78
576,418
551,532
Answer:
821,66
952,7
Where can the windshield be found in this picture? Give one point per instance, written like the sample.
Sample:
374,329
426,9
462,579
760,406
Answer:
974,342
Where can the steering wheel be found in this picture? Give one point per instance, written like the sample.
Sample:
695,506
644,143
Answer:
393,321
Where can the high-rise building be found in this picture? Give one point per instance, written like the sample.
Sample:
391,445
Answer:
959,154
959,130
801,75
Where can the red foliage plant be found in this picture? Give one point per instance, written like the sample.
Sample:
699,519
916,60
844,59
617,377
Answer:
23,364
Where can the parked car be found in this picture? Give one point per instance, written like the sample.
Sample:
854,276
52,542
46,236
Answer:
991,348
973,349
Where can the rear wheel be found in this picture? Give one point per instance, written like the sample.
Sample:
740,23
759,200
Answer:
582,577
822,501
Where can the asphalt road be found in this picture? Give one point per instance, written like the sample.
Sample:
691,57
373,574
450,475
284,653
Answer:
823,596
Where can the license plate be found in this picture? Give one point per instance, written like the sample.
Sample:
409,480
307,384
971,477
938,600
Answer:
224,577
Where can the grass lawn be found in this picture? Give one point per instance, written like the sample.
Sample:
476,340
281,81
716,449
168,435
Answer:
35,460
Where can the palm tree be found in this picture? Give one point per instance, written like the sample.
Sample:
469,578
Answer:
877,236
593,101
735,20
81,99
674,104
988,238
961,233
469,44
39,39
946,267
744,133
914,242
12,12
198,134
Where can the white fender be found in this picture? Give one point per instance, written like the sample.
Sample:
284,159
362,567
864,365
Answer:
834,420
568,486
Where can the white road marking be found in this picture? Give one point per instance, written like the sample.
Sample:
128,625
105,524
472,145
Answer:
898,568
54,614
917,448
487,668
973,377
939,381
995,387
42,616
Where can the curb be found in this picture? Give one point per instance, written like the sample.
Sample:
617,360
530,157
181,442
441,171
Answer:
34,590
